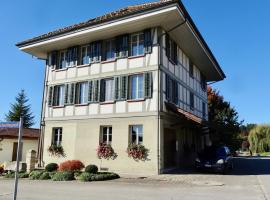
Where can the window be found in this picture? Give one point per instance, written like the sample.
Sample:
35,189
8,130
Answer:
191,96
110,49
85,55
82,93
106,137
191,68
95,51
136,86
59,95
107,90
203,110
203,82
57,136
63,60
136,134
122,45
171,49
171,90
137,44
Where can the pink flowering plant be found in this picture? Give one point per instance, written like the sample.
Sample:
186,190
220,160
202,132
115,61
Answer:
105,151
137,152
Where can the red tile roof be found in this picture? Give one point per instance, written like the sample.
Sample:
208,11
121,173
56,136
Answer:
104,18
13,133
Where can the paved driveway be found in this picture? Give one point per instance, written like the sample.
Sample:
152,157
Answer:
249,181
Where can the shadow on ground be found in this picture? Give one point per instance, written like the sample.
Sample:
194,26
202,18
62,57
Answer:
242,166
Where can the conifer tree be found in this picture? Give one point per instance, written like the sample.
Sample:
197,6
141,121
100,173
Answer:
21,109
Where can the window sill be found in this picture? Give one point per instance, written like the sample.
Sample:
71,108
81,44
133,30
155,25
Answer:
108,61
135,100
81,105
107,102
134,57
60,70
57,107
81,66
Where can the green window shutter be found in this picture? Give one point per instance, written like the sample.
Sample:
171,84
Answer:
102,90
90,91
67,88
148,41
124,87
96,92
117,88
77,93
148,85
50,97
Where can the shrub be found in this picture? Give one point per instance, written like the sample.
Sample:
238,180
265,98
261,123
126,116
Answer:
92,169
137,152
45,176
86,177
106,151
56,151
35,175
63,176
71,165
12,175
23,175
51,167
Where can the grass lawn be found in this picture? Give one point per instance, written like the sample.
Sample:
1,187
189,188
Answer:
265,154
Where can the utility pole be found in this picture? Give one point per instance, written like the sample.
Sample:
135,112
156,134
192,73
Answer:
18,159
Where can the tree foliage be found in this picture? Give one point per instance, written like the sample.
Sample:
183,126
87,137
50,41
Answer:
21,109
259,138
224,121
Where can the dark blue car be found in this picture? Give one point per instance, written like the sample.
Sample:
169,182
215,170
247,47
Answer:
218,159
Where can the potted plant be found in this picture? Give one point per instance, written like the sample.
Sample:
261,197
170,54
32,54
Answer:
137,152
56,150
105,151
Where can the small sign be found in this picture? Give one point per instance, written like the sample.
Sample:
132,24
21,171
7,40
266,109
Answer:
9,125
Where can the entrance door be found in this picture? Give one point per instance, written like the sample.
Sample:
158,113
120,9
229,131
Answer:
169,148
14,152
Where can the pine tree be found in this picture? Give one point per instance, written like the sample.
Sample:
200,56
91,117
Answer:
21,109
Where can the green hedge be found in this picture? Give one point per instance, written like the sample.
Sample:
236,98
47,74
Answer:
21,175
63,176
35,175
101,176
92,169
51,167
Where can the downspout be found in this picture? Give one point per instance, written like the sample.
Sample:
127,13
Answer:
42,122
160,45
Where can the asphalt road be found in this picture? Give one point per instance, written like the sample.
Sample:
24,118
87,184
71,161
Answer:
250,180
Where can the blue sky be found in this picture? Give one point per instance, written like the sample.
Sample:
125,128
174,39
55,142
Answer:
236,31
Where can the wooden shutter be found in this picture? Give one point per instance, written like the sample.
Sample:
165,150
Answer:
117,88
148,85
148,41
71,93
191,70
90,91
54,56
50,96
124,87
175,92
174,53
96,91
167,92
67,86
191,99
102,90
77,93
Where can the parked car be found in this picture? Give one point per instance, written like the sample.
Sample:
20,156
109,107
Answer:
218,159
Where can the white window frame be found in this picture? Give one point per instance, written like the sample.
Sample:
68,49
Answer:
137,42
110,46
137,87
83,99
138,133
85,53
108,133
59,131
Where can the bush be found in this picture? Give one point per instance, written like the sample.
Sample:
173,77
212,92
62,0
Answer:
86,177
51,167
92,169
71,165
12,175
63,176
23,175
35,175
45,176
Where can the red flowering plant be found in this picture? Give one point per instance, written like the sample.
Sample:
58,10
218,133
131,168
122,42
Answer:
137,152
106,151
71,165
